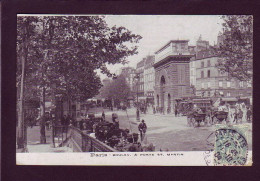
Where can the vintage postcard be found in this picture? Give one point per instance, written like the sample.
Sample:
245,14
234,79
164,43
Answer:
172,90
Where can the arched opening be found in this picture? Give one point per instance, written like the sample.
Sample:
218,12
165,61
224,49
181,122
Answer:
169,104
158,102
162,81
162,85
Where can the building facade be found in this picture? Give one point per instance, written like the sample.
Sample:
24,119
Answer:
210,82
129,73
172,74
149,79
140,82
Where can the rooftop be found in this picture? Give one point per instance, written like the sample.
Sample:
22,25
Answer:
171,41
206,53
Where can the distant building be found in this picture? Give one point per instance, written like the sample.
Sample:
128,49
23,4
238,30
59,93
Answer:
220,39
192,50
192,71
149,78
140,82
129,73
172,74
201,45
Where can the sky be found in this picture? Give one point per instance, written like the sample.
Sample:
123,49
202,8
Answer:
157,30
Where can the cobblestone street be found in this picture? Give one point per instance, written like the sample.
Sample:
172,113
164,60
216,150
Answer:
167,132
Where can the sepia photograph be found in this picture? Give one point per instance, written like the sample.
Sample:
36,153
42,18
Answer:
152,89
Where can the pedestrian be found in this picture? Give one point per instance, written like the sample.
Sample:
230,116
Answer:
249,115
67,120
103,116
142,128
116,122
114,116
240,115
47,120
137,114
244,110
63,120
235,116
176,110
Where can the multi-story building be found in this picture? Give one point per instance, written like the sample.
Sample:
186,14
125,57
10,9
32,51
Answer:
192,71
211,82
149,79
192,50
129,73
172,74
140,82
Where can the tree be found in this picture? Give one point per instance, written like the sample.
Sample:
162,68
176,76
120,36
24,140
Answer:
236,51
63,52
117,90
25,27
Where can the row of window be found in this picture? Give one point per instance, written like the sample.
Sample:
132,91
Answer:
220,84
149,77
141,87
202,74
149,85
208,64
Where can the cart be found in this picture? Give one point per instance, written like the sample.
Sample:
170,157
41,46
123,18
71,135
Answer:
219,117
195,119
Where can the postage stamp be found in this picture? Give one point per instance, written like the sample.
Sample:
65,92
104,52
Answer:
231,145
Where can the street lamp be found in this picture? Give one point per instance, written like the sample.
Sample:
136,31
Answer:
137,77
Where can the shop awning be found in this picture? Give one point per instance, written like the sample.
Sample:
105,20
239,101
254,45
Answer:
229,99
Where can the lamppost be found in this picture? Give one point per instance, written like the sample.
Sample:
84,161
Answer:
137,107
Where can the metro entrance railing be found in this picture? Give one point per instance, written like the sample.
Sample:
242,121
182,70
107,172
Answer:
78,140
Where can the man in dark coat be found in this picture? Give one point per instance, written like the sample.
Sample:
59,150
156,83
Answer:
142,128
63,120
103,116
68,120
249,115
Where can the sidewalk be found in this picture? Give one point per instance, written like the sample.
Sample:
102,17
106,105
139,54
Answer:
46,148
34,146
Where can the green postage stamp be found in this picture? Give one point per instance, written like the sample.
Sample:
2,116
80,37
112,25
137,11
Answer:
231,145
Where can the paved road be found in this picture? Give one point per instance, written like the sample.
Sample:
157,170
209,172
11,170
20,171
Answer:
167,132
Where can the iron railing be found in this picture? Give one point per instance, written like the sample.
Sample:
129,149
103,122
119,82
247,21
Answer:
80,141
59,135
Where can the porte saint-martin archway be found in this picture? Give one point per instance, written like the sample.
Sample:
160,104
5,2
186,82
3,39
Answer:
172,74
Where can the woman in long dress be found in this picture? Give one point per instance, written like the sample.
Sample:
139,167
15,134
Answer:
244,110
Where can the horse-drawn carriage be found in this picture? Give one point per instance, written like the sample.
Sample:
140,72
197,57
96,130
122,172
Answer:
200,112
219,117
195,119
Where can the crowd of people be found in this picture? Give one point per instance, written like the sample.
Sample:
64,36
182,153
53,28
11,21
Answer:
239,113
